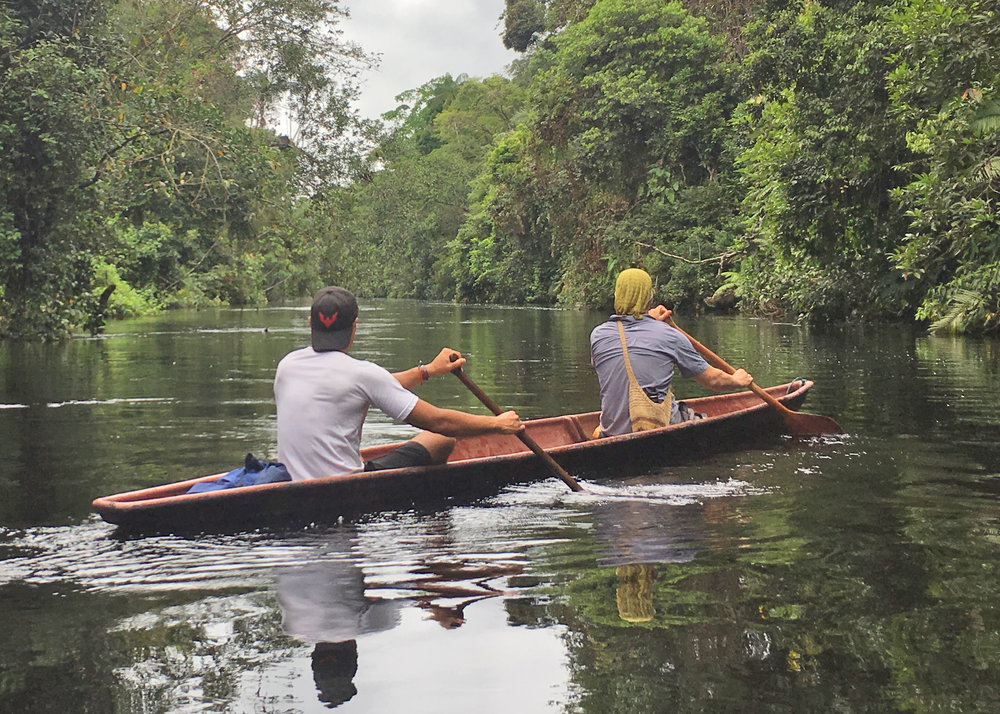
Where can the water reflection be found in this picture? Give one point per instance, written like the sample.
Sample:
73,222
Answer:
635,536
334,665
635,592
324,599
448,588
329,601
323,602
852,574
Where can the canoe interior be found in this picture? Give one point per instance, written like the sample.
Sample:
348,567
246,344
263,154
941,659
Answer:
478,465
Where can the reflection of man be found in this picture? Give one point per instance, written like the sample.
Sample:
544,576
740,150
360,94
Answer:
635,537
323,602
334,665
635,592
636,531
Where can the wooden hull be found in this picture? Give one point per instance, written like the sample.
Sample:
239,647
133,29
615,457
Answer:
478,466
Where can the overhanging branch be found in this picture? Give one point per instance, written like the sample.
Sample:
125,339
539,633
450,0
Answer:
721,258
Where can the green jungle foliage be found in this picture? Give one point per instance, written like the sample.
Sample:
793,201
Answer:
818,163
828,159
945,89
136,148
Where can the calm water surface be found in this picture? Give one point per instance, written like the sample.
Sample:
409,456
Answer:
843,574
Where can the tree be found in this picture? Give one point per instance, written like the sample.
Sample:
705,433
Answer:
142,147
945,86
523,20
819,164
49,126
201,73
299,72
502,251
629,114
394,226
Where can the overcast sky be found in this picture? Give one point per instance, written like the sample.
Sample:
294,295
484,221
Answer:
419,40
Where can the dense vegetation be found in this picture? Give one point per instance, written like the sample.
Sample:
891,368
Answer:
835,159
137,151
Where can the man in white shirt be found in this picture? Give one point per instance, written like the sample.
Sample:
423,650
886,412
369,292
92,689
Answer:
323,395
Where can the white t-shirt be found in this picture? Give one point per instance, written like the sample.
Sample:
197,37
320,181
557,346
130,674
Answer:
324,599
322,399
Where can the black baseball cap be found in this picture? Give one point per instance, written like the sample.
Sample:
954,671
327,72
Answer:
334,311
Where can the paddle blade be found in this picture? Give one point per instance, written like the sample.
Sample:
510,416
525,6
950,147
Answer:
798,424
802,424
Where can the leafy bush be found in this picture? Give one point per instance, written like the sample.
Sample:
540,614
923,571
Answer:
125,300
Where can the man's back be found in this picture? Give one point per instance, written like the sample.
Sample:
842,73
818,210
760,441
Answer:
322,399
654,349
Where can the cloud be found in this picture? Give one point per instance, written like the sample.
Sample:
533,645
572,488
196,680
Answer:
418,40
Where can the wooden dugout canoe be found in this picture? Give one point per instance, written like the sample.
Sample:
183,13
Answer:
478,466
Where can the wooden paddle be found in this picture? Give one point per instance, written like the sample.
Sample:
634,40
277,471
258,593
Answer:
528,441
798,423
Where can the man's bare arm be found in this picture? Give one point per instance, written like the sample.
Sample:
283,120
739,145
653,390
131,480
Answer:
441,364
451,422
719,381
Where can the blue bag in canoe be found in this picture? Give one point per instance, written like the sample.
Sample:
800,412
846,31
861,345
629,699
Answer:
251,473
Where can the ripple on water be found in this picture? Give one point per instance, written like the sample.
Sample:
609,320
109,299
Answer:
91,556
675,494
459,552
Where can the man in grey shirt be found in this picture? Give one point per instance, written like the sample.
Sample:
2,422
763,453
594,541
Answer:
654,348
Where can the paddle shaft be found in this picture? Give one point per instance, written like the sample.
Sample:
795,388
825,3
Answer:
527,440
720,363
797,422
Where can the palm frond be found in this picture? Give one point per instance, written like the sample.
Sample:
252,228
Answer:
962,304
987,119
988,171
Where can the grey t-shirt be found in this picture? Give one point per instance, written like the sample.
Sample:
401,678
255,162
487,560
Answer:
654,349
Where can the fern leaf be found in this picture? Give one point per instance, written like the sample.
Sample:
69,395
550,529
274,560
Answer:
949,324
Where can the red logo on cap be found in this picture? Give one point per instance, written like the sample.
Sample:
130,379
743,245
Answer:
327,321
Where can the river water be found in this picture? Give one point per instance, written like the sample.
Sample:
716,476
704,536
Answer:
855,573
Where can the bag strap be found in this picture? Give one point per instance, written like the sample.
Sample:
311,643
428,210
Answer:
644,413
628,363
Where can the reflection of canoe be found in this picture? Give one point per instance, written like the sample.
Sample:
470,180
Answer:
478,466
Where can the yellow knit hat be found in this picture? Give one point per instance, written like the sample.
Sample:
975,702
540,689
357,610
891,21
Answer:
633,292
